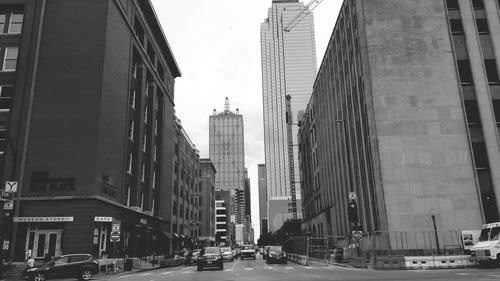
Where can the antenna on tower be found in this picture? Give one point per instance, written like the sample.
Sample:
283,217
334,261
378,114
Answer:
226,105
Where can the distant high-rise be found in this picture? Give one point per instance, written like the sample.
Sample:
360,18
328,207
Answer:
228,156
288,68
261,171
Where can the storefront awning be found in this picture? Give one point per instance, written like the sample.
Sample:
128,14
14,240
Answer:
167,234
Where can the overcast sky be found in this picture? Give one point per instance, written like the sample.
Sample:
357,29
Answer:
217,47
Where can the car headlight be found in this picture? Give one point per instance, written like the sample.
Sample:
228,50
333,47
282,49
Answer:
31,269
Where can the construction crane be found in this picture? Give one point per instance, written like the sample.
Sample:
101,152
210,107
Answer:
302,14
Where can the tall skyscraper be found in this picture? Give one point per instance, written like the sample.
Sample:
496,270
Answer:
228,156
288,68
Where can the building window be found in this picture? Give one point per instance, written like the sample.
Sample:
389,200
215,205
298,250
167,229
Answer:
127,197
482,26
452,4
16,22
154,153
146,115
145,142
11,22
153,206
6,97
156,126
456,27
10,59
477,4
131,130
129,163
142,201
491,71
154,179
132,99
143,172
464,72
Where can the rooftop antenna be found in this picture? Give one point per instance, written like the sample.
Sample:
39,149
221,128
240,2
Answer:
226,105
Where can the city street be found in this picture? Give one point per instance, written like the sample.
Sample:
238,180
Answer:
258,270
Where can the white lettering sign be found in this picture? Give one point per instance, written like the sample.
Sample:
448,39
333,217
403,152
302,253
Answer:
103,219
43,219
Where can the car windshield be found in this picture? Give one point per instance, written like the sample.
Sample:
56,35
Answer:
248,247
485,233
226,249
275,248
211,250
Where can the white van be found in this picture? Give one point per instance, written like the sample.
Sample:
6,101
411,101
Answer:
488,247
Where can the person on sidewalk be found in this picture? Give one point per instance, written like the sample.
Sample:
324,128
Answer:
30,263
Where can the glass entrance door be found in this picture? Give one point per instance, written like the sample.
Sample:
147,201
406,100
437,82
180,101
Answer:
44,242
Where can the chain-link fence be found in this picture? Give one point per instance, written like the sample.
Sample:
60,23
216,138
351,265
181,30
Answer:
395,243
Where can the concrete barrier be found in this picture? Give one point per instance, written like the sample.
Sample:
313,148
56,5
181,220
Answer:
439,262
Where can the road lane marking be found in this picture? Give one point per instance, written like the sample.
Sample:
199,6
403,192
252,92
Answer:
248,268
144,274
166,272
289,267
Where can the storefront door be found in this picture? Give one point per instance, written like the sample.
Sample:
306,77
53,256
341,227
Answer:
42,242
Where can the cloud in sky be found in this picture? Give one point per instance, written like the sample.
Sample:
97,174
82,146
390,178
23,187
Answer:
217,47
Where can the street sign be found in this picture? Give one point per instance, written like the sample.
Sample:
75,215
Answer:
357,234
8,205
114,237
5,196
5,245
11,186
352,195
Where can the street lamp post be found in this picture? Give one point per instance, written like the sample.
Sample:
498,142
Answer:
436,234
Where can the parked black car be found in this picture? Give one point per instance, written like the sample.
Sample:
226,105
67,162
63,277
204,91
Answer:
276,254
81,266
210,257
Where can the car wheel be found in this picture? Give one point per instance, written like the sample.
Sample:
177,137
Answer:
39,277
86,274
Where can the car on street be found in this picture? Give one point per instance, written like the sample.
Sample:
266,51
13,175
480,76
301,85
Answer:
210,257
276,255
227,253
192,257
81,266
247,251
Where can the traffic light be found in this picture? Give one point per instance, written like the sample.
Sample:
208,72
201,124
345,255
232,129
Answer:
352,212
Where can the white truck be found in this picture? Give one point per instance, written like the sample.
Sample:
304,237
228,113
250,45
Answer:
488,247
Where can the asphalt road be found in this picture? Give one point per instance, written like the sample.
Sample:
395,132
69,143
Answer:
258,270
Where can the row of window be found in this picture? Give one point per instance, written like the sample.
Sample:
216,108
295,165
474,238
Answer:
9,55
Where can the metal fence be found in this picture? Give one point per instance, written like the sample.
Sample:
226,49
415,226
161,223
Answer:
395,243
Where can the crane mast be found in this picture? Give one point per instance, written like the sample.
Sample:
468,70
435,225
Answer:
302,14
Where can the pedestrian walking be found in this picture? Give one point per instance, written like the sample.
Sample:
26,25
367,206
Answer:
30,263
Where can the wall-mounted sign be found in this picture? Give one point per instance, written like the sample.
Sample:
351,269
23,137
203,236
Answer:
8,205
43,219
41,183
11,186
143,221
103,219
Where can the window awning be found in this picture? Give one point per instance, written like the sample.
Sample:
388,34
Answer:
167,234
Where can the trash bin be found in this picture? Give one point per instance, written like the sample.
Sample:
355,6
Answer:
128,265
